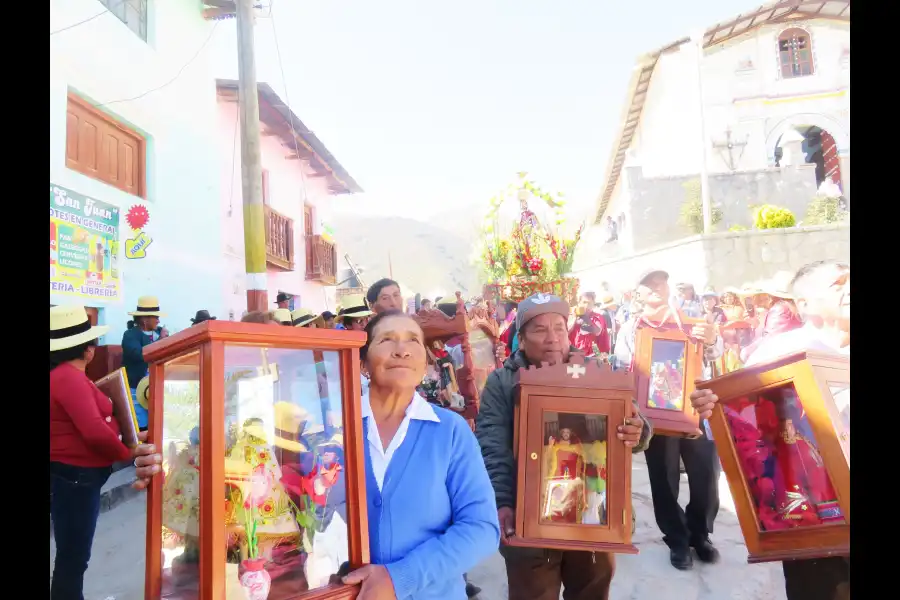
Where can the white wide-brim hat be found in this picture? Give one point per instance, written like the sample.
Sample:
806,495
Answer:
70,327
147,306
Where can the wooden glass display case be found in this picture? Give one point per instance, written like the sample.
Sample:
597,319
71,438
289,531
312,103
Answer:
262,494
666,364
782,430
574,475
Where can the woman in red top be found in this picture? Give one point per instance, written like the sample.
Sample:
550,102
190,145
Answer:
84,444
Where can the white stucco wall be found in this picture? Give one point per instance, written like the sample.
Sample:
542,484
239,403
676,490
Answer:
743,89
103,61
288,188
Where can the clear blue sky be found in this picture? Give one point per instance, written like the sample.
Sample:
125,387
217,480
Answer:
432,104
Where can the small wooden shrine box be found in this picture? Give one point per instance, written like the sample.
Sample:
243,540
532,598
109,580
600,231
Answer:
263,483
574,475
782,430
666,364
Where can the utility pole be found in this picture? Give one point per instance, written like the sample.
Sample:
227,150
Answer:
251,168
697,38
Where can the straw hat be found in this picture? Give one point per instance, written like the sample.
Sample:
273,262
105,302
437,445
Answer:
147,306
335,441
302,316
778,285
70,327
750,289
282,315
709,293
143,392
608,301
354,306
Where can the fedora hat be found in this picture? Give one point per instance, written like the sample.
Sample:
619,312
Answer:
282,297
70,327
282,315
147,306
354,306
142,393
302,316
202,315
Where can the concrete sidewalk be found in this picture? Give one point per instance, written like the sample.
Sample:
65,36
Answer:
117,565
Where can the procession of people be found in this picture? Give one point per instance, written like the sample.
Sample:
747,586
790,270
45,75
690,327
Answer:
740,328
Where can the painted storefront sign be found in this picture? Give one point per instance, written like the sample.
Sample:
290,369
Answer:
84,246
137,218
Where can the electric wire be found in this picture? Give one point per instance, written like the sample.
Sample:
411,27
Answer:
173,79
89,19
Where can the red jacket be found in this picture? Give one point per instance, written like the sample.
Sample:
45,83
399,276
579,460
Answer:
585,341
83,432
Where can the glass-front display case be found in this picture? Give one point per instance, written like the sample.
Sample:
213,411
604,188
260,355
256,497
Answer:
782,430
574,475
262,494
666,363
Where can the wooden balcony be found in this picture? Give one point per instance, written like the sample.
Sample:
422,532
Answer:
279,240
321,260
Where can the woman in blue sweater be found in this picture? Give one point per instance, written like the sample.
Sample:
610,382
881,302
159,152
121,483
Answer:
432,513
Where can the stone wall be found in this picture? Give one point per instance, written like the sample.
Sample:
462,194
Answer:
656,201
724,259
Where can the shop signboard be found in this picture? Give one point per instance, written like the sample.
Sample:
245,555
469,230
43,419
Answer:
84,247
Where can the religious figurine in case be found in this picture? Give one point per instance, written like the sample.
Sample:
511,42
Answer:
666,363
262,494
573,470
782,432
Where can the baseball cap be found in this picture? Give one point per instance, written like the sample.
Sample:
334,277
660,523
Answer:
648,274
540,304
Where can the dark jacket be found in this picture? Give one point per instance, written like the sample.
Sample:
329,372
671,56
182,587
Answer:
133,342
494,429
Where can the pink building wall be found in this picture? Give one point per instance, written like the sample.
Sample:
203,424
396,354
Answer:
286,195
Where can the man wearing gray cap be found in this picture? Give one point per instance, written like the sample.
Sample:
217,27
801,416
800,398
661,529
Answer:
682,529
536,574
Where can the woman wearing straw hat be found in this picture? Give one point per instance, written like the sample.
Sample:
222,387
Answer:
354,313
732,305
142,331
84,444
781,315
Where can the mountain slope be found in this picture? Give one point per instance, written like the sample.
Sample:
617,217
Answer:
425,258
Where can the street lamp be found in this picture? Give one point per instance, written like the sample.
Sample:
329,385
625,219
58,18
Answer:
697,37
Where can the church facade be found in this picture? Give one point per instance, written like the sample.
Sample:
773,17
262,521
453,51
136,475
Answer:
766,105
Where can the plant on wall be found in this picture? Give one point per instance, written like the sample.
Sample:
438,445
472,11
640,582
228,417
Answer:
691,213
824,210
769,216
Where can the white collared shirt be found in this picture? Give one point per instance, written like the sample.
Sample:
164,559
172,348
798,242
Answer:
419,409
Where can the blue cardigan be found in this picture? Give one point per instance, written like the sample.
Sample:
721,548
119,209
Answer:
436,517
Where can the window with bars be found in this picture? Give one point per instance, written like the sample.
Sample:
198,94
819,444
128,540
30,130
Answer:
131,12
795,54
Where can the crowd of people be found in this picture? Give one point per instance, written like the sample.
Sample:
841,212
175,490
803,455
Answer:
425,554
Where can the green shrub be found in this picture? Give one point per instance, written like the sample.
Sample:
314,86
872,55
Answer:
691,213
769,216
824,210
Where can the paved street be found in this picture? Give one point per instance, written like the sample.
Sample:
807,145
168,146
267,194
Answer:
117,567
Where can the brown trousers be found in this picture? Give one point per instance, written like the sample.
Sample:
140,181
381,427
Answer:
535,574
817,579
